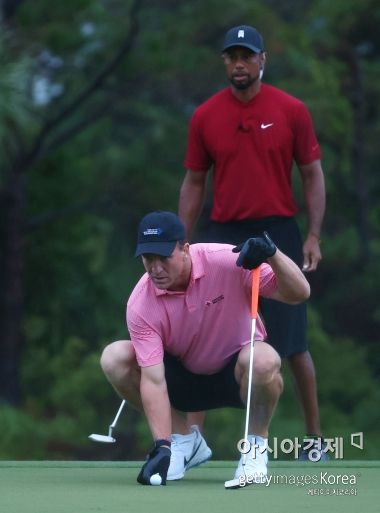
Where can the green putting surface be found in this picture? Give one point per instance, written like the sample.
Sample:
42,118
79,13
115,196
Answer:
111,487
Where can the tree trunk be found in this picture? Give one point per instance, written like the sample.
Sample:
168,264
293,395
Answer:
12,285
8,8
358,156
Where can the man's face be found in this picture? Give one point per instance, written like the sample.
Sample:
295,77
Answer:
169,273
242,66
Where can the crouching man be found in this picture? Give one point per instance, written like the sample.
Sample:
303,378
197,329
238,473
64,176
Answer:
189,322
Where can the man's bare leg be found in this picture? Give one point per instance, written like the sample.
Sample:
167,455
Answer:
267,384
303,371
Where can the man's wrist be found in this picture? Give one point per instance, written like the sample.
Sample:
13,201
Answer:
315,236
162,442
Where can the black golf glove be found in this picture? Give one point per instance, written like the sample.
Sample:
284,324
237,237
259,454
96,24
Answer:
157,463
255,251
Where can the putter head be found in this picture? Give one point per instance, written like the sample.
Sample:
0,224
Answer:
105,439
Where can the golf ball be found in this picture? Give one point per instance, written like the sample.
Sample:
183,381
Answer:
155,480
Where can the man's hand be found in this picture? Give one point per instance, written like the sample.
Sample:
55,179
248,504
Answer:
157,463
255,251
311,253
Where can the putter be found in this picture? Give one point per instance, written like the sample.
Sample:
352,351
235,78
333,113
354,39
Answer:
108,439
236,483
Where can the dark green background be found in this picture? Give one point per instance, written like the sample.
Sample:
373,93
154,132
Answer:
105,145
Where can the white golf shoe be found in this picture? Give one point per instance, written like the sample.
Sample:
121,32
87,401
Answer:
256,462
187,451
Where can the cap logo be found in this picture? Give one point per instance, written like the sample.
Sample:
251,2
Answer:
241,34
153,231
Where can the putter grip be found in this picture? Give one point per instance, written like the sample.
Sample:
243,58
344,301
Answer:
255,291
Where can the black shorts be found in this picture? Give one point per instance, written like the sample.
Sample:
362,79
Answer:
197,392
285,324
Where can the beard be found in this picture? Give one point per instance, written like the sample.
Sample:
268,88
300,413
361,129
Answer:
243,82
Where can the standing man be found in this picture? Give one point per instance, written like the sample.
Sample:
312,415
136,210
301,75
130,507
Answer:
250,134
189,322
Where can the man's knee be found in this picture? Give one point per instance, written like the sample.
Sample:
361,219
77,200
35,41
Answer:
116,356
266,363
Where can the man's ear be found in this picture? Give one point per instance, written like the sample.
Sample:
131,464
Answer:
263,60
186,249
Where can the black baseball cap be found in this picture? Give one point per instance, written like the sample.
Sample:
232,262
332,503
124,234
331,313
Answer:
158,233
246,36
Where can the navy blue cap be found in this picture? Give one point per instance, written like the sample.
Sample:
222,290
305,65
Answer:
246,36
159,233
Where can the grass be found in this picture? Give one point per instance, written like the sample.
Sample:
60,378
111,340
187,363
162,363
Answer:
110,487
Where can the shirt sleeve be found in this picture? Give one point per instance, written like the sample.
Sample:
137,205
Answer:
306,146
268,282
197,157
146,340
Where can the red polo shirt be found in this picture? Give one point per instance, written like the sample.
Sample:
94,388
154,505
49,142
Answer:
251,147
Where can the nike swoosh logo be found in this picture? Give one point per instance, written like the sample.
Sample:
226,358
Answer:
263,126
186,462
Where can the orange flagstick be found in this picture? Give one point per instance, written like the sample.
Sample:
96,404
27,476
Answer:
254,307
255,291
235,483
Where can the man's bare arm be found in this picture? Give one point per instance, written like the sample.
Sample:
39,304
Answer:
191,199
155,400
315,204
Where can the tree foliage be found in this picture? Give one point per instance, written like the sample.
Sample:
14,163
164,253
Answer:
95,98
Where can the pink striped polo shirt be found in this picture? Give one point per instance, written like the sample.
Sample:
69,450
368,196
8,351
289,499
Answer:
205,324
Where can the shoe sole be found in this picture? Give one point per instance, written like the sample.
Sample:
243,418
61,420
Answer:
236,483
